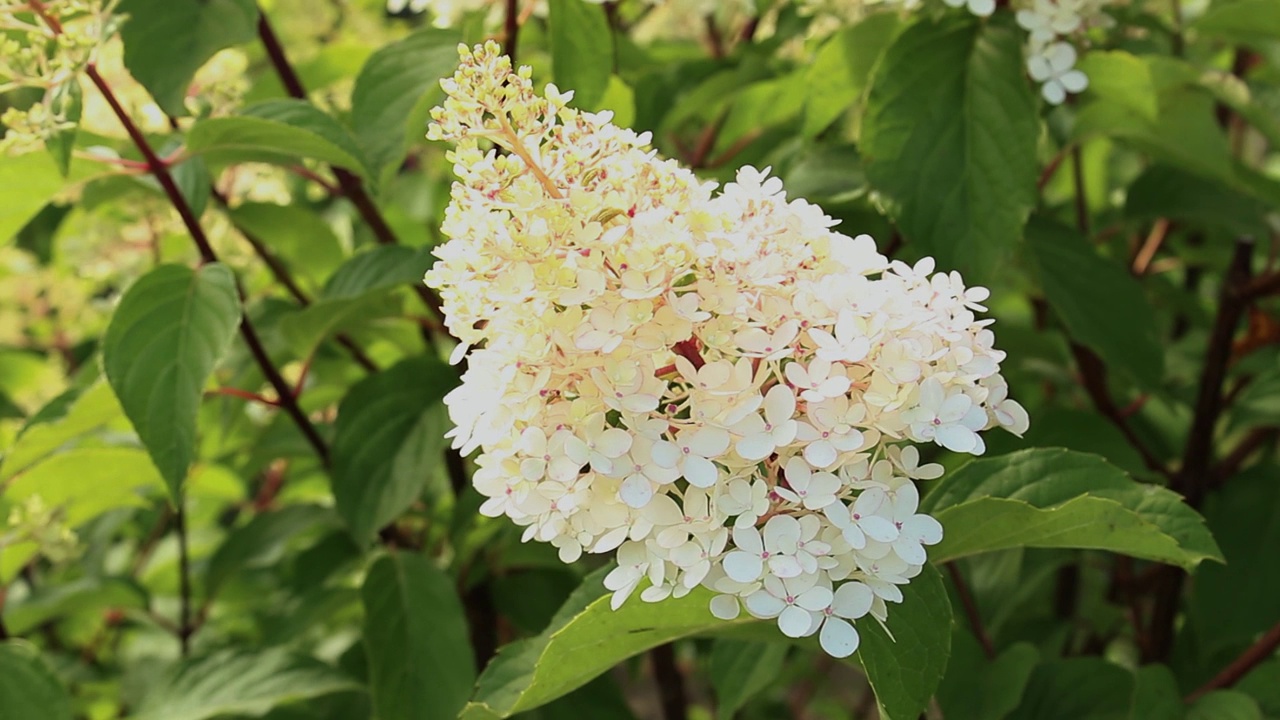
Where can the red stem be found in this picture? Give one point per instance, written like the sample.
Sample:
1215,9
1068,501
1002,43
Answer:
1249,659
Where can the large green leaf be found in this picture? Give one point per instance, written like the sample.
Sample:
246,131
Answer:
388,440
237,682
69,417
906,669
395,91
1098,300
976,688
742,669
166,41
1049,497
87,596
420,661
27,183
1163,191
299,237
277,131
359,289
262,541
1076,689
585,639
169,331
581,50
86,482
841,71
949,139
28,688
1242,21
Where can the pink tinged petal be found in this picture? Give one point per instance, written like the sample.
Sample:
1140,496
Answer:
785,432
665,454
743,567
796,375
839,385
761,604
715,374
639,402
816,599
924,528
878,528
614,442
700,472
781,534
785,566
852,600
756,447
779,404
956,438
787,494
725,607
797,472
838,638
794,621
636,491
821,454
709,442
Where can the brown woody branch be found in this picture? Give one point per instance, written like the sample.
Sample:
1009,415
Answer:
1264,648
971,611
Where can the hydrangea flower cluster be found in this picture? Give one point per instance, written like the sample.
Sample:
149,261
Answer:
717,387
1051,56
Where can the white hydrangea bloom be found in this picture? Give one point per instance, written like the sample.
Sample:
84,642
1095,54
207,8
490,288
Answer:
717,387
1052,26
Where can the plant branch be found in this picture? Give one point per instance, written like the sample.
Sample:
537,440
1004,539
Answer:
670,682
1081,198
161,172
971,611
511,29
1264,648
1255,440
1193,479
185,628
1093,376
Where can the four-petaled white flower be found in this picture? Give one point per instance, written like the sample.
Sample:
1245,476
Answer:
691,453
761,436
1054,67
813,490
952,421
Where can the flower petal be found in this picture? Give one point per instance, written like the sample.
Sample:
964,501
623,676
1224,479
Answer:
838,638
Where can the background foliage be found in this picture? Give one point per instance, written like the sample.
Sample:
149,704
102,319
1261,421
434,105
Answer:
225,488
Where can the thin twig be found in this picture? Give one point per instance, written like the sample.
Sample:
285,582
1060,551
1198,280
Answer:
670,682
1081,198
971,611
1255,440
1248,660
185,628
1150,246
511,30
1093,377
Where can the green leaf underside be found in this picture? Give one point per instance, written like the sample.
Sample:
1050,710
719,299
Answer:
420,658
166,41
1048,497
28,688
1098,300
949,139
248,683
169,331
389,437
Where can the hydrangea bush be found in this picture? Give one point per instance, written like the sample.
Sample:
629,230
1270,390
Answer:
633,359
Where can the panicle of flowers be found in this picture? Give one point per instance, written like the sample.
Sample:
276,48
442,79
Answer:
47,51
716,387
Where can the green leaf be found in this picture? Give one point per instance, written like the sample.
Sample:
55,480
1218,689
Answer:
420,661
581,50
358,289
262,541
68,417
277,131
27,183
83,596
166,41
584,640
949,139
86,482
1163,191
1243,21
395,91
1101,304
192,178
1156,695
976,688
299,237
742,669
247,683
1048,497
1225,705
169,331
1076,689
389,437
906,669
839,76
28,688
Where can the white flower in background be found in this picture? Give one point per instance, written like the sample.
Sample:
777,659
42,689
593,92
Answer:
1054,67
717,388
981,8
